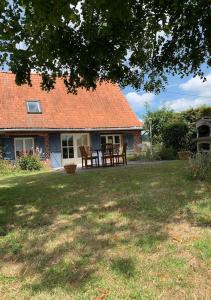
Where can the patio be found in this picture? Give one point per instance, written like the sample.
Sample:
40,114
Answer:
106,155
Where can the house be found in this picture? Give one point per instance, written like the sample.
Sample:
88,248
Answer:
203,140
56,123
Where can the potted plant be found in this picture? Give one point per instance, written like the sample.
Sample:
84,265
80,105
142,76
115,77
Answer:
70,168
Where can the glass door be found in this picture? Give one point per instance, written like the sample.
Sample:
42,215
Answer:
70,147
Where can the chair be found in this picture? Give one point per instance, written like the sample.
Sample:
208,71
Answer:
122,155
107,154
86,155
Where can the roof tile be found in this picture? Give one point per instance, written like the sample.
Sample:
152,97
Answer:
105,107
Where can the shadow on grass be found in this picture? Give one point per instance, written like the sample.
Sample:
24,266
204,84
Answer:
84,216
123,266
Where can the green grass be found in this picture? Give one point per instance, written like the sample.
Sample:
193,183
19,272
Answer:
121,233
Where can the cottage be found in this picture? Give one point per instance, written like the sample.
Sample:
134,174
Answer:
54,124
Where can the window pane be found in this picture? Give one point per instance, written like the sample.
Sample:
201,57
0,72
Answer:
82,140
110,139
65,152
116,139
70,140
64,141
85,140
103,140
19,147
33,106
28,146
71,152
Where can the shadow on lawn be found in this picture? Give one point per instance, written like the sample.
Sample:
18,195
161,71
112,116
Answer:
74,214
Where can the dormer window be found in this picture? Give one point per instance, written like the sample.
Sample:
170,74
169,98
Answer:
33,107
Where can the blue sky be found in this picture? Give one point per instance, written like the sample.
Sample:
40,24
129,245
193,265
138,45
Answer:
180,94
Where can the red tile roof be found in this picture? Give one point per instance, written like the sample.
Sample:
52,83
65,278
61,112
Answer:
106,107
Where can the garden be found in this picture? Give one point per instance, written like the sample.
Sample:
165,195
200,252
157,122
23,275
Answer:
138,232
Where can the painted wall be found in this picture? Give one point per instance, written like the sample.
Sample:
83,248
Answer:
8,148
129,139
95,140
40,143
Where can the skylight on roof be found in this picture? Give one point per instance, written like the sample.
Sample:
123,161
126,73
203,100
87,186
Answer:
33,107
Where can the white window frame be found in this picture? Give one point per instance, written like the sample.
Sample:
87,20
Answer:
38,105
24,143
113,135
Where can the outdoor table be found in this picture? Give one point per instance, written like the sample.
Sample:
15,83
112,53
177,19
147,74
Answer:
99,154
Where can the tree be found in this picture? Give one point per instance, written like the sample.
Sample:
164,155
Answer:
159,119
174,135
130,42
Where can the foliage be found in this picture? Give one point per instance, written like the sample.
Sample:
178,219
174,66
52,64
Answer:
29,163
137,43
145,155
167,153
6,167
174,135
159,119
199,166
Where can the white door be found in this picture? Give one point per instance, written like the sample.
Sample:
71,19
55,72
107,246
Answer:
70,147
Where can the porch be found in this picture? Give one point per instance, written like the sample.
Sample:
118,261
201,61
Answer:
61,148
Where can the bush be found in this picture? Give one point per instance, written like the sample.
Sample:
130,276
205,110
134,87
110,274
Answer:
199,165
6,167
175,135
145,155
167,153
29,163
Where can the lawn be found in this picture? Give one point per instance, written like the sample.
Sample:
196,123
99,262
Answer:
141,232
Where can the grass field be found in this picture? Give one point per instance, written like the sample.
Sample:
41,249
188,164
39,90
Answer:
123,233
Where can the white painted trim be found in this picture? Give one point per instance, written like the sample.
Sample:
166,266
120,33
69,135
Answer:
71,129
23,138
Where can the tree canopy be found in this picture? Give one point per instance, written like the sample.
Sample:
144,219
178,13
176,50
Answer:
129,42
175,129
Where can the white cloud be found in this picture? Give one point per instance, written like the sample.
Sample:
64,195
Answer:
181,104
196,93
197,86
138,101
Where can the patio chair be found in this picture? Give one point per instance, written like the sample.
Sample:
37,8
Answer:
86,155
122,155
107,154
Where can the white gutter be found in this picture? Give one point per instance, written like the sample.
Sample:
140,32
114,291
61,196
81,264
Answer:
70,129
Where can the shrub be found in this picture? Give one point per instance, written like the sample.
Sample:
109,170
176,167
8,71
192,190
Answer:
174,135
199,165
167,153
30,163
145,155
6,167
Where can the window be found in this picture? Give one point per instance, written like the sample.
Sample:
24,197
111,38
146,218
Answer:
111,139
67,146
24,146
33,107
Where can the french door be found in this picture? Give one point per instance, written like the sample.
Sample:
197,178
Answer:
70,144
